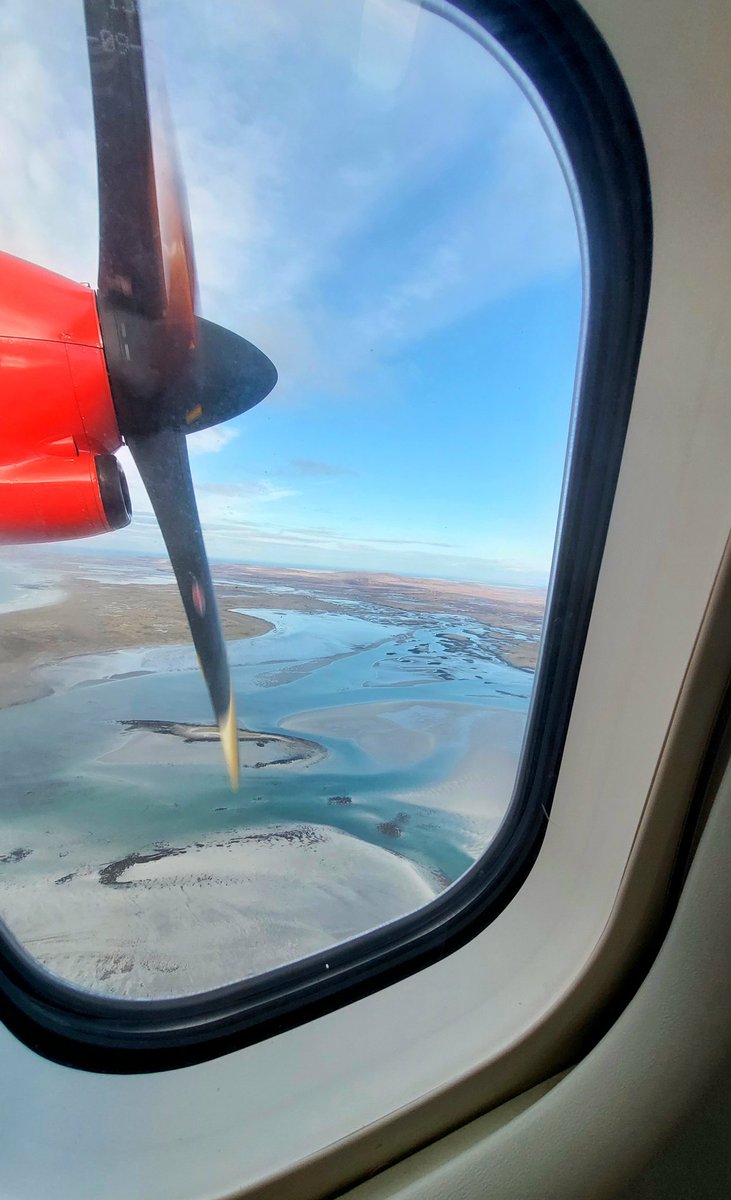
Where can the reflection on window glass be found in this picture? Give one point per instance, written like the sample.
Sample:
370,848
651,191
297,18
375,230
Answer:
376,205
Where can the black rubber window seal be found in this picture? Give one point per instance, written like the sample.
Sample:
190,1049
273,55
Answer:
557,47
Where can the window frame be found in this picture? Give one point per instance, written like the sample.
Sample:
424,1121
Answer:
554,45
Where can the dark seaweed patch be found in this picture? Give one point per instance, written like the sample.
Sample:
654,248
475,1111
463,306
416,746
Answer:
15,855
109,875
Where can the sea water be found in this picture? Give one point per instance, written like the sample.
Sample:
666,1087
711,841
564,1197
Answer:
61,800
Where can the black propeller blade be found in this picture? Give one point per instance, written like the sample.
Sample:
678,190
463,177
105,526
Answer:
130,252
162,460
170,372
147,284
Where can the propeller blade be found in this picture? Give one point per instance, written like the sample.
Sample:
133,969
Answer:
170,373
146,261
162,460
131,271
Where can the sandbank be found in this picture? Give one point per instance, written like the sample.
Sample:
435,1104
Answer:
172,743
195,917
399,734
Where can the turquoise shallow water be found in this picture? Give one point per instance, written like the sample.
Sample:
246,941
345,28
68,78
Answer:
70,809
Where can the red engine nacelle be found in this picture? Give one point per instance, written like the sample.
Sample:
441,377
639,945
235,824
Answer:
58,429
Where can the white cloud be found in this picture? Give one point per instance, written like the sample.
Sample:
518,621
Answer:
48,204
228,512
322,226
210,441
259,491
215,500
325,231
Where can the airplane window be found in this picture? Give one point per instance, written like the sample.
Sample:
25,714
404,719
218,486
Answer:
377,208
376,204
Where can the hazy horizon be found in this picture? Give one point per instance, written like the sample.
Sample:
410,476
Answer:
97,546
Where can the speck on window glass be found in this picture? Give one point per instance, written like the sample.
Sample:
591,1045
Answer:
375,203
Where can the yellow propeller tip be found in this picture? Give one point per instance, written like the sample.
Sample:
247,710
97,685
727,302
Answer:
229,734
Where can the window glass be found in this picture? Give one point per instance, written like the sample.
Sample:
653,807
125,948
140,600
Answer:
376,205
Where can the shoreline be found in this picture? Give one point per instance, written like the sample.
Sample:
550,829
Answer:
93,619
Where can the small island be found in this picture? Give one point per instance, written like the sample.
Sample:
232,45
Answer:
155,741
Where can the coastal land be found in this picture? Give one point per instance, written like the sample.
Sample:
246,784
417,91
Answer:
91,613
515,615
88,616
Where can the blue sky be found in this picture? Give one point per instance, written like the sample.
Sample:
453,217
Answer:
376,205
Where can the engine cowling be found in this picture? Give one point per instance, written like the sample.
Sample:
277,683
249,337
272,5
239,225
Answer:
58,430
64,494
